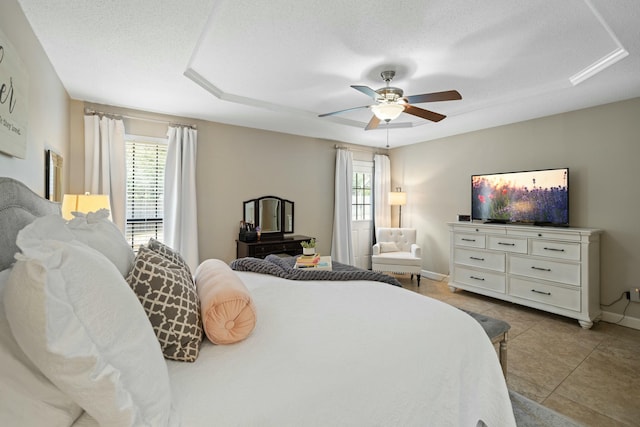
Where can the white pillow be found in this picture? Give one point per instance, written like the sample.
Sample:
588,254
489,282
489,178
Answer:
73,314
94,230
28,397
388,247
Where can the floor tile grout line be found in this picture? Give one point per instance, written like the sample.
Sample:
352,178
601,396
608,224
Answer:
568,375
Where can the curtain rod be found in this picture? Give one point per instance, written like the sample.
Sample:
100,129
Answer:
342,147
125,116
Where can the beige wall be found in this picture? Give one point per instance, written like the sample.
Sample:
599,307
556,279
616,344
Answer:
48,112
237,164
601,147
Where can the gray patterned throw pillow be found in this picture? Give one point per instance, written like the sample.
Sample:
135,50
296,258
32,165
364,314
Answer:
169,297
169,253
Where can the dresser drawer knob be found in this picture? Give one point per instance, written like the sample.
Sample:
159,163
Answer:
540,292
476,278
476,258
554,249
540,268
468,240
506,244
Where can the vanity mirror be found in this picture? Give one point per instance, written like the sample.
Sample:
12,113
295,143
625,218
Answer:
272,214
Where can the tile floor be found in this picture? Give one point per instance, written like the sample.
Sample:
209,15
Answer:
592,376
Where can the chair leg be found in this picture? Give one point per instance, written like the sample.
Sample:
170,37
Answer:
503,354
418,276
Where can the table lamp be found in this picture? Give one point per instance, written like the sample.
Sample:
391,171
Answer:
84,203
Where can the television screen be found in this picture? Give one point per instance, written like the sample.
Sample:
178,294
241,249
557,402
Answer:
538,197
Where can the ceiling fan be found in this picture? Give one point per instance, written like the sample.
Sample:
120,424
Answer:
390,102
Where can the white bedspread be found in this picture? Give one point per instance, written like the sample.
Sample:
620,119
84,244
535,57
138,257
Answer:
345,354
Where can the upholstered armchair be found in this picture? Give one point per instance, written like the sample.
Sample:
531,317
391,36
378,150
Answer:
396,251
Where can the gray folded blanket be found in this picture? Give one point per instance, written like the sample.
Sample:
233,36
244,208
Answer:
284,267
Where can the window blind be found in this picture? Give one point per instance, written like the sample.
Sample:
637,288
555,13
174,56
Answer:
145,191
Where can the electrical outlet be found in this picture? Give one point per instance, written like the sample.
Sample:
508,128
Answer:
634,294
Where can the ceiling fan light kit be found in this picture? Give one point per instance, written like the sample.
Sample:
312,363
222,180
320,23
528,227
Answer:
387,112
390,102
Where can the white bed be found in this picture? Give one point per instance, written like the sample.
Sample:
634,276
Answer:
352,353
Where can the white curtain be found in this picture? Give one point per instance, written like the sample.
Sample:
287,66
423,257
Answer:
105,163
180,208
341,243
381,188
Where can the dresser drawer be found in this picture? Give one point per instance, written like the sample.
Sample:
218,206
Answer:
554,271
559,250
481,229
480,279
549,294
544,233
507,244
264,250
489,260
470,240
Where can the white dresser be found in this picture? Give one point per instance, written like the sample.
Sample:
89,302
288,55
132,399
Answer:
551,269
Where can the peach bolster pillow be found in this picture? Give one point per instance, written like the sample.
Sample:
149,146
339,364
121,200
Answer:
228,312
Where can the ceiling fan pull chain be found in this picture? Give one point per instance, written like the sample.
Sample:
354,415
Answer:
387,134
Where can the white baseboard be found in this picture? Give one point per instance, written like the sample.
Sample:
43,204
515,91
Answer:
433,276
629,322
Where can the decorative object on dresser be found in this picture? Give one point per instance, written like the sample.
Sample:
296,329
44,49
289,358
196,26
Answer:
262,248
248,232
396,251
551,269
308,247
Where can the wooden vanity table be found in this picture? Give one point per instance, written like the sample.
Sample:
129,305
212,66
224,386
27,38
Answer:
261,248
274,217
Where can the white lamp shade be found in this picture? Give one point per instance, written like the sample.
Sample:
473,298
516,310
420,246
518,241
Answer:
397,198
387,112
84,203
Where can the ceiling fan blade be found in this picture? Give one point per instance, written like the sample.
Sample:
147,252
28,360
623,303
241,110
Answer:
342,111
425,114
449,95
373,123
367,91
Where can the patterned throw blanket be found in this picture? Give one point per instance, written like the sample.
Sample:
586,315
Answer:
284,267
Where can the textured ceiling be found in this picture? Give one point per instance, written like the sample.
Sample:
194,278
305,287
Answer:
278,64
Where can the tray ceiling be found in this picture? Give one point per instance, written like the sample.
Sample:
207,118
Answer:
277,64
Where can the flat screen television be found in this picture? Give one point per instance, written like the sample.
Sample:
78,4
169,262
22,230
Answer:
538,197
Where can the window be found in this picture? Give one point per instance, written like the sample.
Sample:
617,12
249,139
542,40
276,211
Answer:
145,189
361,203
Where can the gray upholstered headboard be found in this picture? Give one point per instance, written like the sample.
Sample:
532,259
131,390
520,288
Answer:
18,207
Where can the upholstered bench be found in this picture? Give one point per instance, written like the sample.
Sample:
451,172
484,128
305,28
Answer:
497,331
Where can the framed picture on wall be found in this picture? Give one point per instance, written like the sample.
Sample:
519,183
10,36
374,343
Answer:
53,176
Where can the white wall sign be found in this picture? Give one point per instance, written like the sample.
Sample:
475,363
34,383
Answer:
14,85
